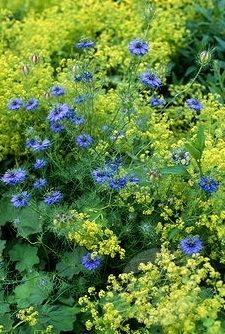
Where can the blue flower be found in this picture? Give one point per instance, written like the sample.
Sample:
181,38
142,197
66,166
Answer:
113,166
14,176
91,263
40,183
118,183
191,245
84,140
56,127
38,145
194,104
85,44
86,77
81,98
58,113
21,199
150,80
155,102
32,104
133,179
138,47
74,118
100,175
57,91
40,163
208,184
53,198
15,104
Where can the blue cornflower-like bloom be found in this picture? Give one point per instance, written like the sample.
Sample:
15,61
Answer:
191,245
38,145
56,127
53,198
40,183
133,179
21,199
57,91
40,163
91,263
118,183
84,77
59,112
32,104
14,176
181,157
150,80
208,184
85,44
77,120
15,104
155,102
100,175
81,98
84,140
113,166
138,47
194,104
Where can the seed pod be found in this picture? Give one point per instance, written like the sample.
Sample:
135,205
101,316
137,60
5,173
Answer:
25,69
35,58
205,58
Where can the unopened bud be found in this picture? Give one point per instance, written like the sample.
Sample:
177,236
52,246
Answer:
205,58
25,69
154,175
35,59
47,95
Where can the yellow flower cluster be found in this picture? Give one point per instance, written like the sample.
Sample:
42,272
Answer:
38,35
94,235
28,315
178,305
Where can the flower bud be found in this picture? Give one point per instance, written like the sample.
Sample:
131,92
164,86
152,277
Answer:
25,69
35,58
47,95
205,58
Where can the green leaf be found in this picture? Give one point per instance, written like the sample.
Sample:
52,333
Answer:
28,222
60,317
200,142
26,255
4,308
33,291
70,263
6,322
2,245
195,153
7,212
173,233
174,170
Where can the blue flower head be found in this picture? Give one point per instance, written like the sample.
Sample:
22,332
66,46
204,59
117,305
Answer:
37,145
56,127
191,245
150,80
81,98
53,198
84,140
85,44
40,163
194,104
57,91
21,199
32,104
155,102
91,263
58,113
40,183
138,47
85,77
100,175
208,184
15,104
118,183
14,176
